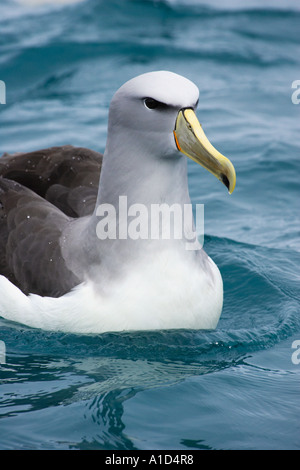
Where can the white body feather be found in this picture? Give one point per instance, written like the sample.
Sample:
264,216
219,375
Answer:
164,294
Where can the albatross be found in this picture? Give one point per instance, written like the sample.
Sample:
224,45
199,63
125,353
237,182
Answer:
58,273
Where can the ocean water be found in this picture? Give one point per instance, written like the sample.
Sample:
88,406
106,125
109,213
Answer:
233,388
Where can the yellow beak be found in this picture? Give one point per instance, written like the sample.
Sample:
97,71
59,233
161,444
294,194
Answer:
191,140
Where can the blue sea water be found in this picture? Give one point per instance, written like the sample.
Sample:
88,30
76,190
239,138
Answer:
237,387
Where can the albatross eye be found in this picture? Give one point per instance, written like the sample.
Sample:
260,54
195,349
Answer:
151,103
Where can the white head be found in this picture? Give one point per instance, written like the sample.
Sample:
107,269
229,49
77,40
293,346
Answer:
151,125
146,107
152,117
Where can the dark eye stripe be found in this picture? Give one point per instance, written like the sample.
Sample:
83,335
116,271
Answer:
151,103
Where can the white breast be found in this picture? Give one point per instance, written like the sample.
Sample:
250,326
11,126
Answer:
167,293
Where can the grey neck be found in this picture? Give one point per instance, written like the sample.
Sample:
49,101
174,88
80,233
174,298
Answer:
140,178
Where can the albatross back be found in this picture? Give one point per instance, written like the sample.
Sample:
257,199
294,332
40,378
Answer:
40,192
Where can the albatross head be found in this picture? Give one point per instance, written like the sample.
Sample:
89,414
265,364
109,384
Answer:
155,114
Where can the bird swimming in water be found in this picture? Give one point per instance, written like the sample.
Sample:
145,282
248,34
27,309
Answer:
63,269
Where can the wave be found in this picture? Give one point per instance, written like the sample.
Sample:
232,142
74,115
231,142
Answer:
226,5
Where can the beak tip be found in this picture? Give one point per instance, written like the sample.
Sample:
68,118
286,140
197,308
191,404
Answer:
230,190
230,181
225,181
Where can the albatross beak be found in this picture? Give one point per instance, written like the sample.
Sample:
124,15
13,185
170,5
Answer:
191,140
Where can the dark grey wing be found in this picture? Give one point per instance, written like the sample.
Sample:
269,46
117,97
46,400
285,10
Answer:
30,254
66,176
